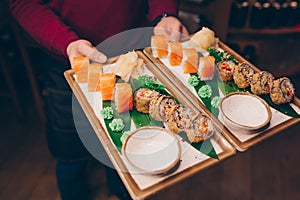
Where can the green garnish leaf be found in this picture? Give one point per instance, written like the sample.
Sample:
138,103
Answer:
151,83
221,56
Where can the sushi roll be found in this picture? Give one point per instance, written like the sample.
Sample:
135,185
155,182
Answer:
159,46
261,82
225,69
81,64
242,74
190,61
202,128
94,74
123,97
142,98
282,91
179,118
175,53
160,106
206,69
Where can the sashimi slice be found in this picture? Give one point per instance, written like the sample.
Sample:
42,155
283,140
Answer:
206,68
159,45
81,64
94,74
190,61
123,97
107,85
175,53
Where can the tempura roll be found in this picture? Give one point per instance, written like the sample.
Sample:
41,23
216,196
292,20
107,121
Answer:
225,70
179,118
282,91
160,106
242,74
142,98
202,128
261,82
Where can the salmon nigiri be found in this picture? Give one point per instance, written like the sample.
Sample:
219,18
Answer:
123,97
159,45
175,53
81,64
94,74
190,61
206,68
107,85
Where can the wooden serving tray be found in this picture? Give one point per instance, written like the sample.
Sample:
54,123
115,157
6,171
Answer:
240,140
141,186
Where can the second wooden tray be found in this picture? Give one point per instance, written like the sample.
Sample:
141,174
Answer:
239,139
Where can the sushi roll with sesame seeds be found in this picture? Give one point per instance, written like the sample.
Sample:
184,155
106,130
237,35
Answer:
142,98
242,74
202,128
160,106
261,82
179,118
282,91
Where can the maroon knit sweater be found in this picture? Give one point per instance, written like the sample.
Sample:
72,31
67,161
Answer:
56,23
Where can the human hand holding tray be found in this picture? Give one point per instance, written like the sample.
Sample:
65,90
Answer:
142,185
241,139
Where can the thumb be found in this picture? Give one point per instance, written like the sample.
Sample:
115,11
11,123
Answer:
87,49
84,48
97,56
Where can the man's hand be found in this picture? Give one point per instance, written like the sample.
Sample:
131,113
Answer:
172,28
84,48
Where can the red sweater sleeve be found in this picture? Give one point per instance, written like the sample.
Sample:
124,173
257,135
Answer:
43,25
45,22
158,7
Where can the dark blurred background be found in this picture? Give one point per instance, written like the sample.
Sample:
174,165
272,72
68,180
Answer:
265,32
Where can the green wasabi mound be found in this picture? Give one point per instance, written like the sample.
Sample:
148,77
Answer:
215,102
107,113
124,136
193,81
205,91
116,125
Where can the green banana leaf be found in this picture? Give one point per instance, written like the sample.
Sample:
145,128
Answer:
206,148
284,108
143,119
